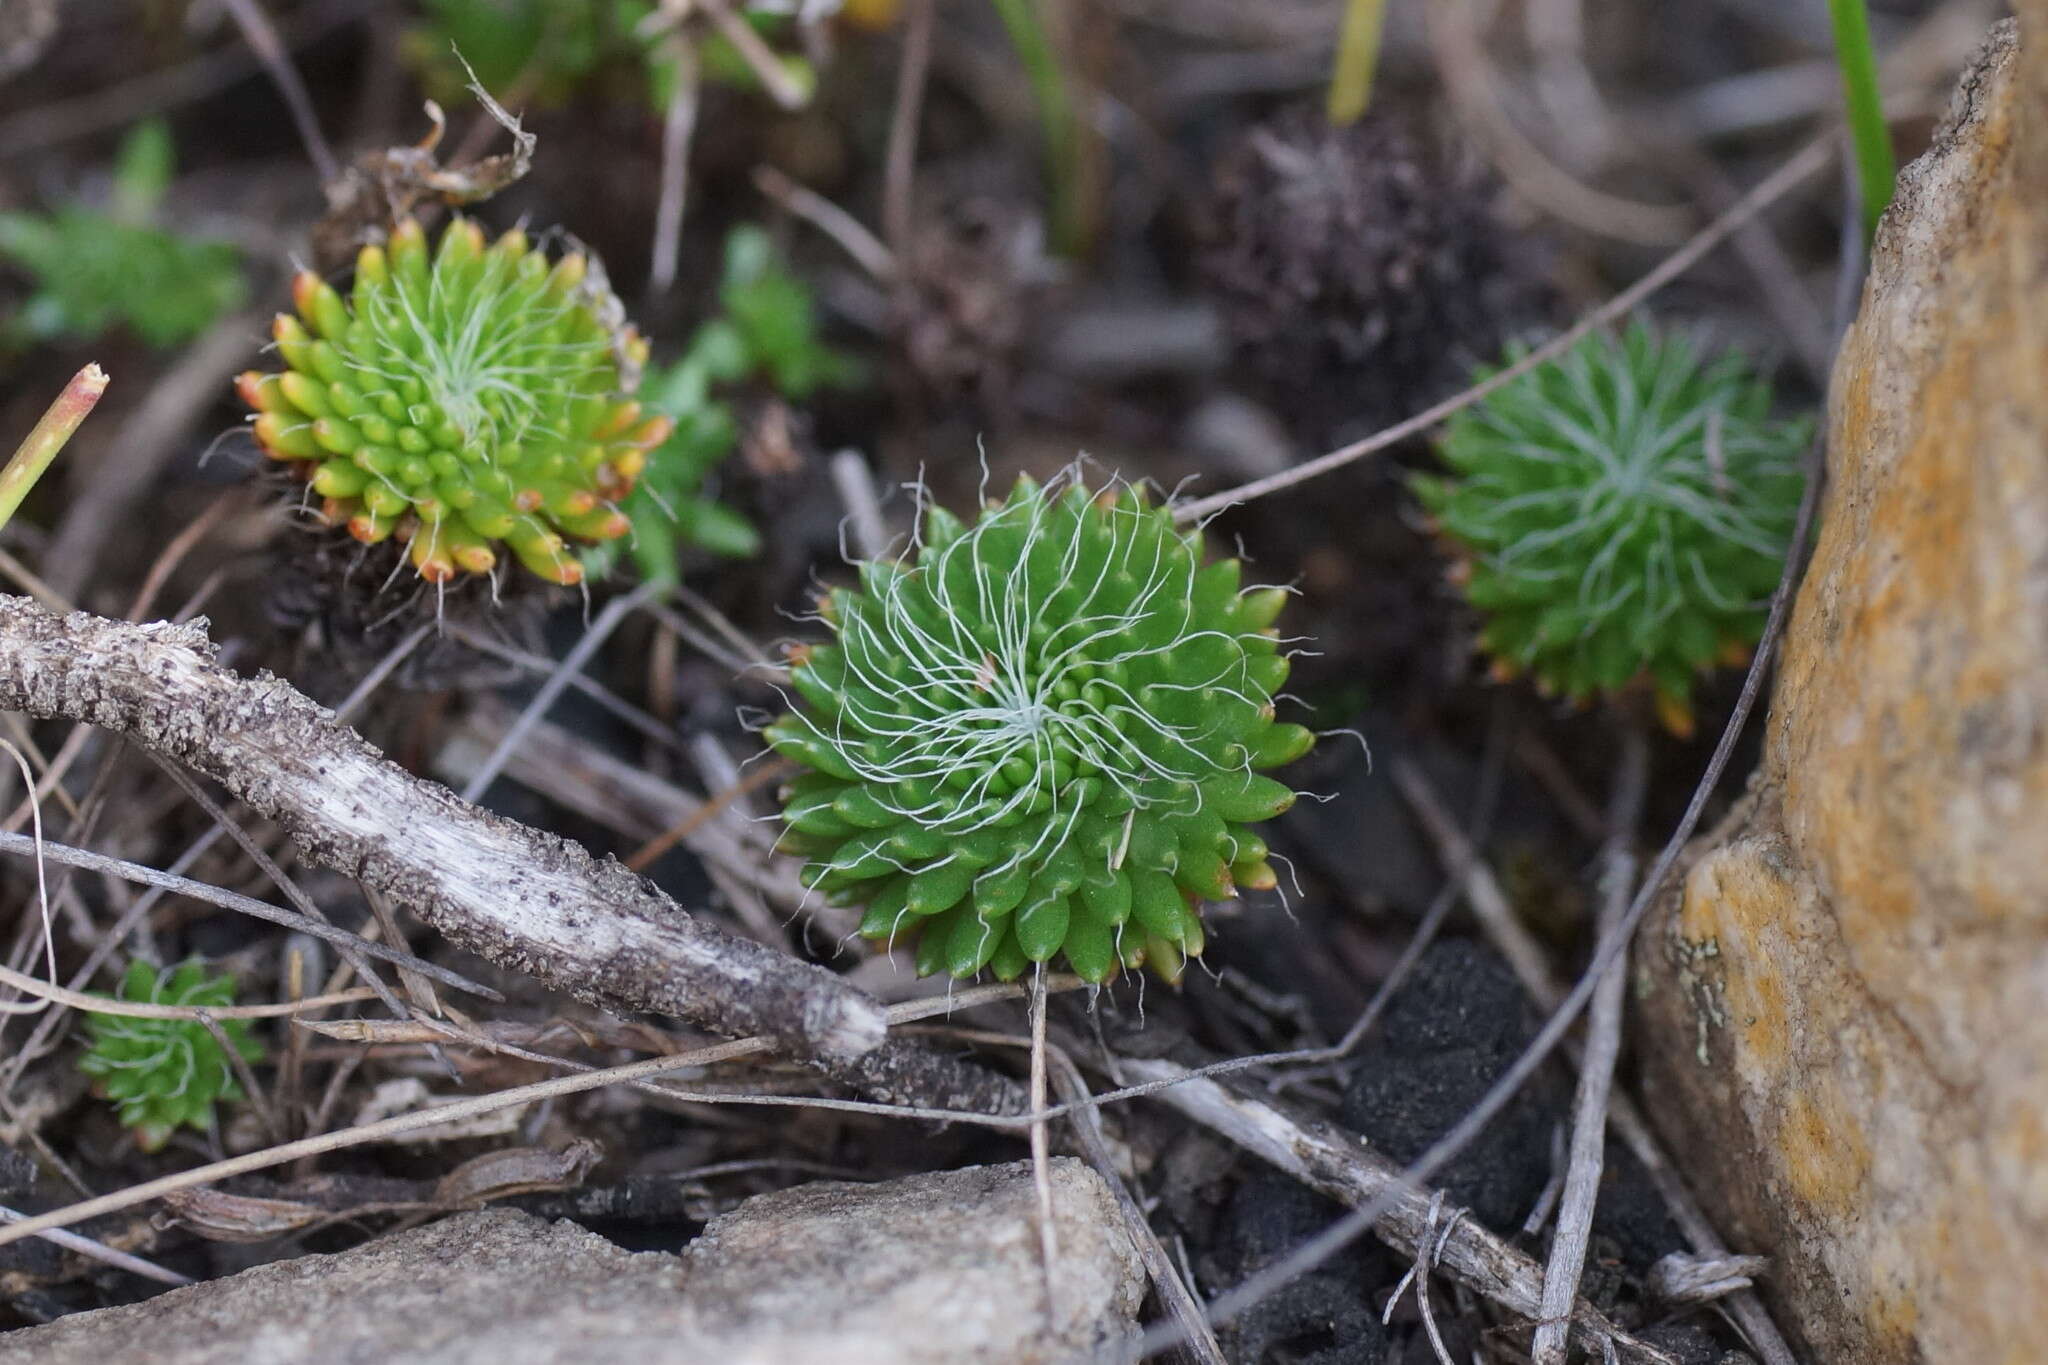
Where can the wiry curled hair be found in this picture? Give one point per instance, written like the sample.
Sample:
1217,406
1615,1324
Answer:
1041,736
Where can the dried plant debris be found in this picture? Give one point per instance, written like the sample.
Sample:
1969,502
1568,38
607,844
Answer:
385,187
1362,271
340,607
976,277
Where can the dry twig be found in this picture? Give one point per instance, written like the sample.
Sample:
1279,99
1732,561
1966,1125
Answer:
1340,1166
1596,1067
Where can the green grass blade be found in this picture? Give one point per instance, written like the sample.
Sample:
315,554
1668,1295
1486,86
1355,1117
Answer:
1875,170
1063,151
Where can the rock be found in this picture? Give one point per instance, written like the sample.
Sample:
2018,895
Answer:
934,1268
1843,1006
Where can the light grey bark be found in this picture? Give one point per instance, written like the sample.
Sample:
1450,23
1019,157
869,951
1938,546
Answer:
528,901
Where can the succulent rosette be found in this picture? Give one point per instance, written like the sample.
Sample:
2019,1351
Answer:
1621,514
167,1073
1041,738
462,397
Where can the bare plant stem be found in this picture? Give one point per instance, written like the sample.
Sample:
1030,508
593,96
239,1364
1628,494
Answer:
1596,1067
49,435
1358,57
261,36
678,131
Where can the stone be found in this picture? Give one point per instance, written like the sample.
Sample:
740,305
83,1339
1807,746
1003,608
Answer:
931,1270
928,1269
1844,1005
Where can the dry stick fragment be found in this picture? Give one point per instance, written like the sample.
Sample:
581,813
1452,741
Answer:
531,902
1180,1302
124,102
572,663
267,865
900,166
100,1251
1041,1147
1340,1165
1805,164
23,845
270,50
849,232
458,1110
1596,1067
1460,51
678,131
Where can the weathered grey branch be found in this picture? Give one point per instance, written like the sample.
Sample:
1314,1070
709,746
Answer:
1339,1165
528,901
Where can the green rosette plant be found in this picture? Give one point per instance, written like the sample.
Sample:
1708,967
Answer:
1040,738
166,1073
1622,514
461,397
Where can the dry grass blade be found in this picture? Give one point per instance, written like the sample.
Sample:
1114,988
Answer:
22,845
100,1251
1596,1067
647,1069
139,1009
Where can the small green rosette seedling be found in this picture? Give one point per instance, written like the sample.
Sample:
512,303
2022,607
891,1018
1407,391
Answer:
1041,738
1621,514
167,1073
464,396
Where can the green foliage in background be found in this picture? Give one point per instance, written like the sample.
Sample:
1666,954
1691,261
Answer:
166,1073
98,268
545,51
1624,512
765,333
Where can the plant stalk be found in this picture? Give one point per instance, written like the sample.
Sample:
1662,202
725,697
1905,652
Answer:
1358,58
40,447
1065,158
1871,136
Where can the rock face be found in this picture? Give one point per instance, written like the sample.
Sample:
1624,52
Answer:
1846,1007
938,1268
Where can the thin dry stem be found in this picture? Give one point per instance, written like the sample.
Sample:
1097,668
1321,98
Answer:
1596,1067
